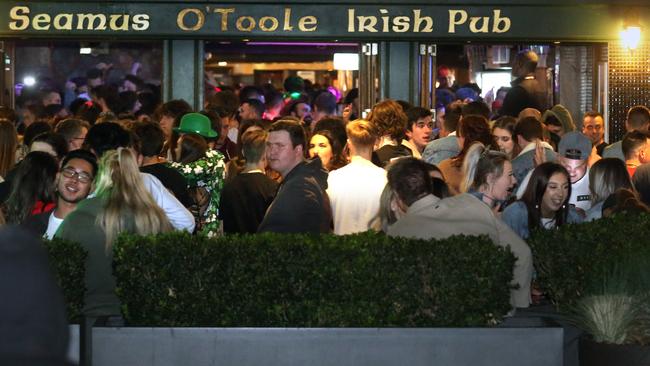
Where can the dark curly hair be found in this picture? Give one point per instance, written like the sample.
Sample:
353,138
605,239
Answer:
389,119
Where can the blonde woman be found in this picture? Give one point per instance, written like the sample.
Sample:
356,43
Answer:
121,204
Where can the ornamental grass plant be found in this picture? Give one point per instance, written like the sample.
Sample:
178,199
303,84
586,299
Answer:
618,310
598,273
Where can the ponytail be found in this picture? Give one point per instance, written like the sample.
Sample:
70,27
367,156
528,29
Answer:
479,162
470,163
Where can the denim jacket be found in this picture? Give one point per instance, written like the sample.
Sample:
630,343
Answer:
516,216
441,149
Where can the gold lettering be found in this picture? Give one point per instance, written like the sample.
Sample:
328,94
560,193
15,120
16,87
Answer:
65,26
91,18
498,20
453,21
200,19
16,14
274,24
41,22
287,20
350,20
125,22
140,22
370,26
384,20
240,24
305,22
401,24
224,17
484,28
419,20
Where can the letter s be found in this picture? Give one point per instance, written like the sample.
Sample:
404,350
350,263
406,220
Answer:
16,16
140,22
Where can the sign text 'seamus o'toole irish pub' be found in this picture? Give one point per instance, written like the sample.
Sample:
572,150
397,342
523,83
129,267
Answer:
182,19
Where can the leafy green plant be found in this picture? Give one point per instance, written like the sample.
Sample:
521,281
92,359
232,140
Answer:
571,260
273,280
67,260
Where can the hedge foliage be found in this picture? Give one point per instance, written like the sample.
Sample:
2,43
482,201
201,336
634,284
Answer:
575,258
67,260
273,280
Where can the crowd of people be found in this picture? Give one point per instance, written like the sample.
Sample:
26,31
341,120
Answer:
301,160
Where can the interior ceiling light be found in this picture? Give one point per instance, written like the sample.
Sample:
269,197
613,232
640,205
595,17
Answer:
346,61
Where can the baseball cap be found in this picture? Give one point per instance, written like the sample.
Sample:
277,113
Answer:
575,145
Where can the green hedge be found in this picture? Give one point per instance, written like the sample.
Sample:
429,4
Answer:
574,258
67,261
272,280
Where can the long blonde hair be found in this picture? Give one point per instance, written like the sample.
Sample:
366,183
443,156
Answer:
478,163
120,185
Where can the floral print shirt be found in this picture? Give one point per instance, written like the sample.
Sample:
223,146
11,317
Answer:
207,173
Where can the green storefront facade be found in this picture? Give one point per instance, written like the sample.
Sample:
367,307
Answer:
398,39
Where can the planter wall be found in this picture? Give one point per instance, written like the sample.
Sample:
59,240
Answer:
327,346
602,354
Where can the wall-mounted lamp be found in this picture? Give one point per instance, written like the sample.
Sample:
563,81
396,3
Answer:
631,33
631,36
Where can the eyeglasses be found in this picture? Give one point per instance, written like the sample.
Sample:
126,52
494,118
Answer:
80,176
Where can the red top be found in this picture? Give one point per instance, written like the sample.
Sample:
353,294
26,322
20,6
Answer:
631,170
41,207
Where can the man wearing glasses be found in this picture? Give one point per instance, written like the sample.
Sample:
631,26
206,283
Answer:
74,131
73,184
593,126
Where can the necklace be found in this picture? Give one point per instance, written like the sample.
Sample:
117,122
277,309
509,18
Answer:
492,200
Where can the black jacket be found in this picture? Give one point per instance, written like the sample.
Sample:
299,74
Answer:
301,204
526,92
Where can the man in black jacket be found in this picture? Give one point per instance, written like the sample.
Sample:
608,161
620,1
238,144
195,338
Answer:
301,204
526,91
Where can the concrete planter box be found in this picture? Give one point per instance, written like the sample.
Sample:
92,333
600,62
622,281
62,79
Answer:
327,346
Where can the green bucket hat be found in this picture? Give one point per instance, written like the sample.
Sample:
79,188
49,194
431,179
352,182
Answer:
196,123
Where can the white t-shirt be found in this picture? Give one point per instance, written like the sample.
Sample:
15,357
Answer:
580,194
354,192
178,215
548,223
52,226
